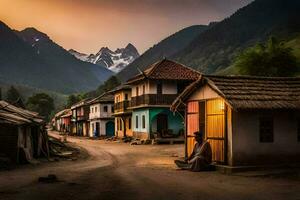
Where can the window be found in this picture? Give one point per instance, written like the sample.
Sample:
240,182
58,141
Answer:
159,88
105,108
143,121
137,91
129,123
112,109
95,109
266,132
126,97
92,109
136,121
144,89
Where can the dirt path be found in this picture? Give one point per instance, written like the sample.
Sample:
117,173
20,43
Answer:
121,171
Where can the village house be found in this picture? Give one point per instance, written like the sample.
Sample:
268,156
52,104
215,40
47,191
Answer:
80,118
62,120
152,93
247,120
23,136
100,116
122,113
66,121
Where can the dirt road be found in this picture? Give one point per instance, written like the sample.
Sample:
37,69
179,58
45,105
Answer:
121,171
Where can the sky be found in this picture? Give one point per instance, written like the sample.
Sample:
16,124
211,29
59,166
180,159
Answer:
88,25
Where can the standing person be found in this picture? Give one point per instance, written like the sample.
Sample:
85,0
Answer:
201,157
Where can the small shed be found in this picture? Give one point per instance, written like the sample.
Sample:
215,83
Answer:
22,134
247,120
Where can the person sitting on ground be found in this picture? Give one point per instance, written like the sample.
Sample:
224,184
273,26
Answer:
201,157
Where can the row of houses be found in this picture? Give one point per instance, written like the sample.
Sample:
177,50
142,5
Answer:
140,108
247,120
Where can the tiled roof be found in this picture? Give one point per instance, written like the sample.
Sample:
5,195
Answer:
167,70
245,92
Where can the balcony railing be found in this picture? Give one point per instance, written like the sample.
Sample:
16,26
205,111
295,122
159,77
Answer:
153,99
121,106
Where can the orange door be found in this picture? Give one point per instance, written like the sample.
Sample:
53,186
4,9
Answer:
215,128
209,118
192,125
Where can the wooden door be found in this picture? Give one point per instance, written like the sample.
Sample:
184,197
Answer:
110,128
209,118
192,125
215,128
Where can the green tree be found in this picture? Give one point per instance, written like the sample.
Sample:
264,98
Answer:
72,99
270,59
14,97
41,103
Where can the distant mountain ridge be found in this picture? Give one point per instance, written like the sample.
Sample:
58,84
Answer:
112,60
215,49
30,58
166,48
211,49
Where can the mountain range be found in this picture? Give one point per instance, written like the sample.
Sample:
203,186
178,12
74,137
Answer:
30,58
213,48
166,48
112,60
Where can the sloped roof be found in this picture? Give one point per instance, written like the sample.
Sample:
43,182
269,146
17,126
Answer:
119,88
106,97
68,114
15,115
246,92
81,103
166,70
63,112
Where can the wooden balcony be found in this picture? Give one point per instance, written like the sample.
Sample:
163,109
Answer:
121,106
153,99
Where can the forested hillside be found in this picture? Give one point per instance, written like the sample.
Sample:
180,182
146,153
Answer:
166,48
215,49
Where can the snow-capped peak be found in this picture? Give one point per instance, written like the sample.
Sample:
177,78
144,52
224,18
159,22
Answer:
113,60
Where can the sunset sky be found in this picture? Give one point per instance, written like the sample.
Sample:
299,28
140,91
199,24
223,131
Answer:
87,25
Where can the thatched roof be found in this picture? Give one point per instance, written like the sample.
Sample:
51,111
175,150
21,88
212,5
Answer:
166,70
245,92
15,115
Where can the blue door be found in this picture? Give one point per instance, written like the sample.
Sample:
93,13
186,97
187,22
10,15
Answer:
110,128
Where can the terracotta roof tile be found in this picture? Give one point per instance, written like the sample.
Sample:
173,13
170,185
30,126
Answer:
167,70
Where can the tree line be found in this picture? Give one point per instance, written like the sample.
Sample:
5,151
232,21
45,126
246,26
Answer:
41,103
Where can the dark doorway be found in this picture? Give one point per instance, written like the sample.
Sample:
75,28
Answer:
110,128
97,129
162,123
